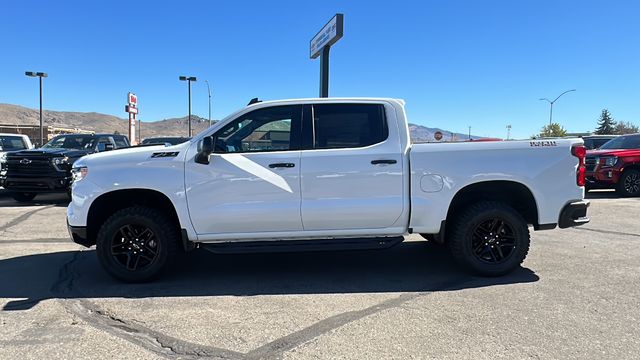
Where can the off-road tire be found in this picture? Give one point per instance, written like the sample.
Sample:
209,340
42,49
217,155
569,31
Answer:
23,196
629,185
164,232
463,236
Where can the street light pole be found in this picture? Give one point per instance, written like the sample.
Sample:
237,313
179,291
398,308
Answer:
39,75
551,104
209,91
189,79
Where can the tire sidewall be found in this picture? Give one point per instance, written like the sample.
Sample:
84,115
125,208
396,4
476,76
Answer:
104,243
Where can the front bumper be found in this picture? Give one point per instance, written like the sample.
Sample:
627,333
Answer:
79,235
36,184
574,214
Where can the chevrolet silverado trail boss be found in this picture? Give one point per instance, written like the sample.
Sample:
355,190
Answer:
48,169
615,165
316,174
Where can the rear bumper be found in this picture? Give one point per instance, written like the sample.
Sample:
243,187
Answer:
574,214
79,235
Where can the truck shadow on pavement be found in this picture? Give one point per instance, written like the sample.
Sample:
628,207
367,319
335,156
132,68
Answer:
42,199
408,267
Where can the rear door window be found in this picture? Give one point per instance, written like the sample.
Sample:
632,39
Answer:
338,126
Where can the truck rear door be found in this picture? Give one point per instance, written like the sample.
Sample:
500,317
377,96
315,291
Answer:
351,168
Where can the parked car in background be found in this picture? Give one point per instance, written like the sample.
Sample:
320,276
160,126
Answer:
592,142
615,165
27,173
323,174
171,140
14,142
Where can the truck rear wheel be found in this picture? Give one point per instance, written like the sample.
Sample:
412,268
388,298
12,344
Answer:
136,243
629,183
489,239
23,196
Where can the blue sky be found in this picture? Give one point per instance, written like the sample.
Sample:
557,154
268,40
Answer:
482,64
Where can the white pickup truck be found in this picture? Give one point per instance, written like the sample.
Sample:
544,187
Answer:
317,174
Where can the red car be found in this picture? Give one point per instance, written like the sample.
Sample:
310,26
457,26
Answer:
615,165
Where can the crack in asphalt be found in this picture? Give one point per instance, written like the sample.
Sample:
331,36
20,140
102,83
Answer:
611,232
23,217
170,347
294,340
137,334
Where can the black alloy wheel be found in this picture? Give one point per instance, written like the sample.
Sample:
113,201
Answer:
493,241
629,184
135,247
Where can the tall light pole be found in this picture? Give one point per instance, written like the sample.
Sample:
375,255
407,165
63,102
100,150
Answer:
209,91
39,75
508,131
189,79
552,102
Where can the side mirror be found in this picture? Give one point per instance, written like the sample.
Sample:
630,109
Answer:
108,146
202,157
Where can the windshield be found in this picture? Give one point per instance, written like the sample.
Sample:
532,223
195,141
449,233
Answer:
623,142
77,142
12,143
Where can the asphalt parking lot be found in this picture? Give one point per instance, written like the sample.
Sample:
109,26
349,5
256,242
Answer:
577,296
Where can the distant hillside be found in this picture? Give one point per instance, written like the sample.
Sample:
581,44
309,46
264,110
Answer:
14,114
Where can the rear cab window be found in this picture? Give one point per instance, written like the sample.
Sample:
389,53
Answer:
338,126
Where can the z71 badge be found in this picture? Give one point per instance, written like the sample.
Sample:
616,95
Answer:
542,143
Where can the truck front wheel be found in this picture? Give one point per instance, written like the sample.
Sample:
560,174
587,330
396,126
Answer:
23,196
489,239
629,184
135,243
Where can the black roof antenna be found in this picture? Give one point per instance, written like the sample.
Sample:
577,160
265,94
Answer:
254,101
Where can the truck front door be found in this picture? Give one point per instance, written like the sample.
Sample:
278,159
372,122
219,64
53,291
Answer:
252,183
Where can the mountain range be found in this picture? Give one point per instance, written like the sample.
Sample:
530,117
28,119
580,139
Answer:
102,123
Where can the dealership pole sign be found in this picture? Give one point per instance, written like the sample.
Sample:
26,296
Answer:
320,46
132,109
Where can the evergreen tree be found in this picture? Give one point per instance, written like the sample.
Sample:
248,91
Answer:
606,124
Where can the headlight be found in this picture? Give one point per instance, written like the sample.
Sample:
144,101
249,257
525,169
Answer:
79,173
3,158
58,161
608,160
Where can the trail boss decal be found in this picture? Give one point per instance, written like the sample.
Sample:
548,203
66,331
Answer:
542,143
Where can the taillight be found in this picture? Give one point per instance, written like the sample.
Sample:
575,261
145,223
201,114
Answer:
580,152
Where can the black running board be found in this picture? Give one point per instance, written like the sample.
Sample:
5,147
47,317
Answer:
302,245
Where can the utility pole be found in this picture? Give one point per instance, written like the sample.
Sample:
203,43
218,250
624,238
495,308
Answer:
551,104
39,75
189,79
209,91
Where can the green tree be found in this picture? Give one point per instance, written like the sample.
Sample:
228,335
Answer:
606,123
625,127
552,130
